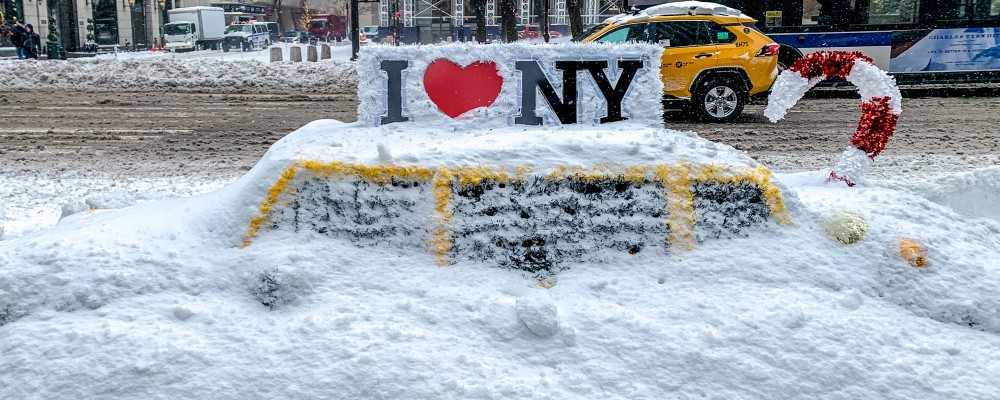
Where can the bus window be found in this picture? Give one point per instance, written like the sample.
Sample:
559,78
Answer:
893,12
831,12
984,9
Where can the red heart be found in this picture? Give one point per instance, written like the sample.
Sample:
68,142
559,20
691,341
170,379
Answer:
456,90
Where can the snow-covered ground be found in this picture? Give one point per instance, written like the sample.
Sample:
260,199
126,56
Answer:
157,299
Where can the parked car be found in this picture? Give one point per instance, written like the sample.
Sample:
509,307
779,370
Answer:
713,59
298,37
246,37
533,32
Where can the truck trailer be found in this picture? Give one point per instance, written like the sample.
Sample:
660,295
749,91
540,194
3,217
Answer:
195,28
327,27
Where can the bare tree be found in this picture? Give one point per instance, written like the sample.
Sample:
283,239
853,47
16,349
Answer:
277,14
508,21
575,16
542,12
479,8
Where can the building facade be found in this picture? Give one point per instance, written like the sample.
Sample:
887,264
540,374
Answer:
137,23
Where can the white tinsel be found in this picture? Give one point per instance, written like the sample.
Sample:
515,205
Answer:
786,91
872,81
853,165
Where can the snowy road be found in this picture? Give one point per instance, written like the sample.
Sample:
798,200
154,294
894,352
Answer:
46,132
59,147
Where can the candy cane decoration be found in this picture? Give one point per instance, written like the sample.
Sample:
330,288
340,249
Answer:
878,114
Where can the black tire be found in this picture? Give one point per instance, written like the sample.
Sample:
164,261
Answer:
719,99
225,47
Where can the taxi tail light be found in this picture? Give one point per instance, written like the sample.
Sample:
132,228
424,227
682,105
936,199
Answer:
769,50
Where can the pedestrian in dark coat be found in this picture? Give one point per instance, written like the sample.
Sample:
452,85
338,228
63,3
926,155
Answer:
32,42
17,37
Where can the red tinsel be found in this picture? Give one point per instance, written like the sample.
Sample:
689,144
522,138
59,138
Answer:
835,177
830,63
876,125
877,119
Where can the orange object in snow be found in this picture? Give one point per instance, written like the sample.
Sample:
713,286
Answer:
913,252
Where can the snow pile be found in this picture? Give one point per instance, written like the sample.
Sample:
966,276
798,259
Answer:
974,194
132,55
693,8
180,74
158,300
679,8
516,198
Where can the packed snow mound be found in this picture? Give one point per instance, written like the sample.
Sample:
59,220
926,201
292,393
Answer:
159,300
974,194
181,74
680,8
693,8
531,199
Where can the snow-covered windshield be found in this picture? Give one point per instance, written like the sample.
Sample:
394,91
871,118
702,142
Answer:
290,34
239,29
180,28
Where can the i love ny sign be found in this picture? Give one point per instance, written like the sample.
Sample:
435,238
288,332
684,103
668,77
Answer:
514,84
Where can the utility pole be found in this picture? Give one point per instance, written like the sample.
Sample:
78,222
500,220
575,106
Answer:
355,34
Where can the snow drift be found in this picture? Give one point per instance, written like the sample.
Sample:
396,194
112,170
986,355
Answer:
158,300
332,76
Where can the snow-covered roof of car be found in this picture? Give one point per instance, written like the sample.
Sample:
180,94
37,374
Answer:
680,8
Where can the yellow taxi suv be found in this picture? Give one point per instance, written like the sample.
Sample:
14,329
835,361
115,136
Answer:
714,59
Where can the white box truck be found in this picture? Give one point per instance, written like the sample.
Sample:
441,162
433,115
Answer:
195,28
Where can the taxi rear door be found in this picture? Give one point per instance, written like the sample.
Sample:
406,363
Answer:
687,50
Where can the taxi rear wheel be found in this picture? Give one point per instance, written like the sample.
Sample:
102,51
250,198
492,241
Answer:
719,99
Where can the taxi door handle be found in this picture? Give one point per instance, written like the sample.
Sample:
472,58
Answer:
703,55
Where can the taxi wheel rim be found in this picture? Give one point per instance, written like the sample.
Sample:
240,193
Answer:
721,101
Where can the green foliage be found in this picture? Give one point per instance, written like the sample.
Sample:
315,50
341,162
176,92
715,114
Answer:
53,36
90,30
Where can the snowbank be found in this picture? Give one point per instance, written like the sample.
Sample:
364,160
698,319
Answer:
159,301
181,74
528,199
